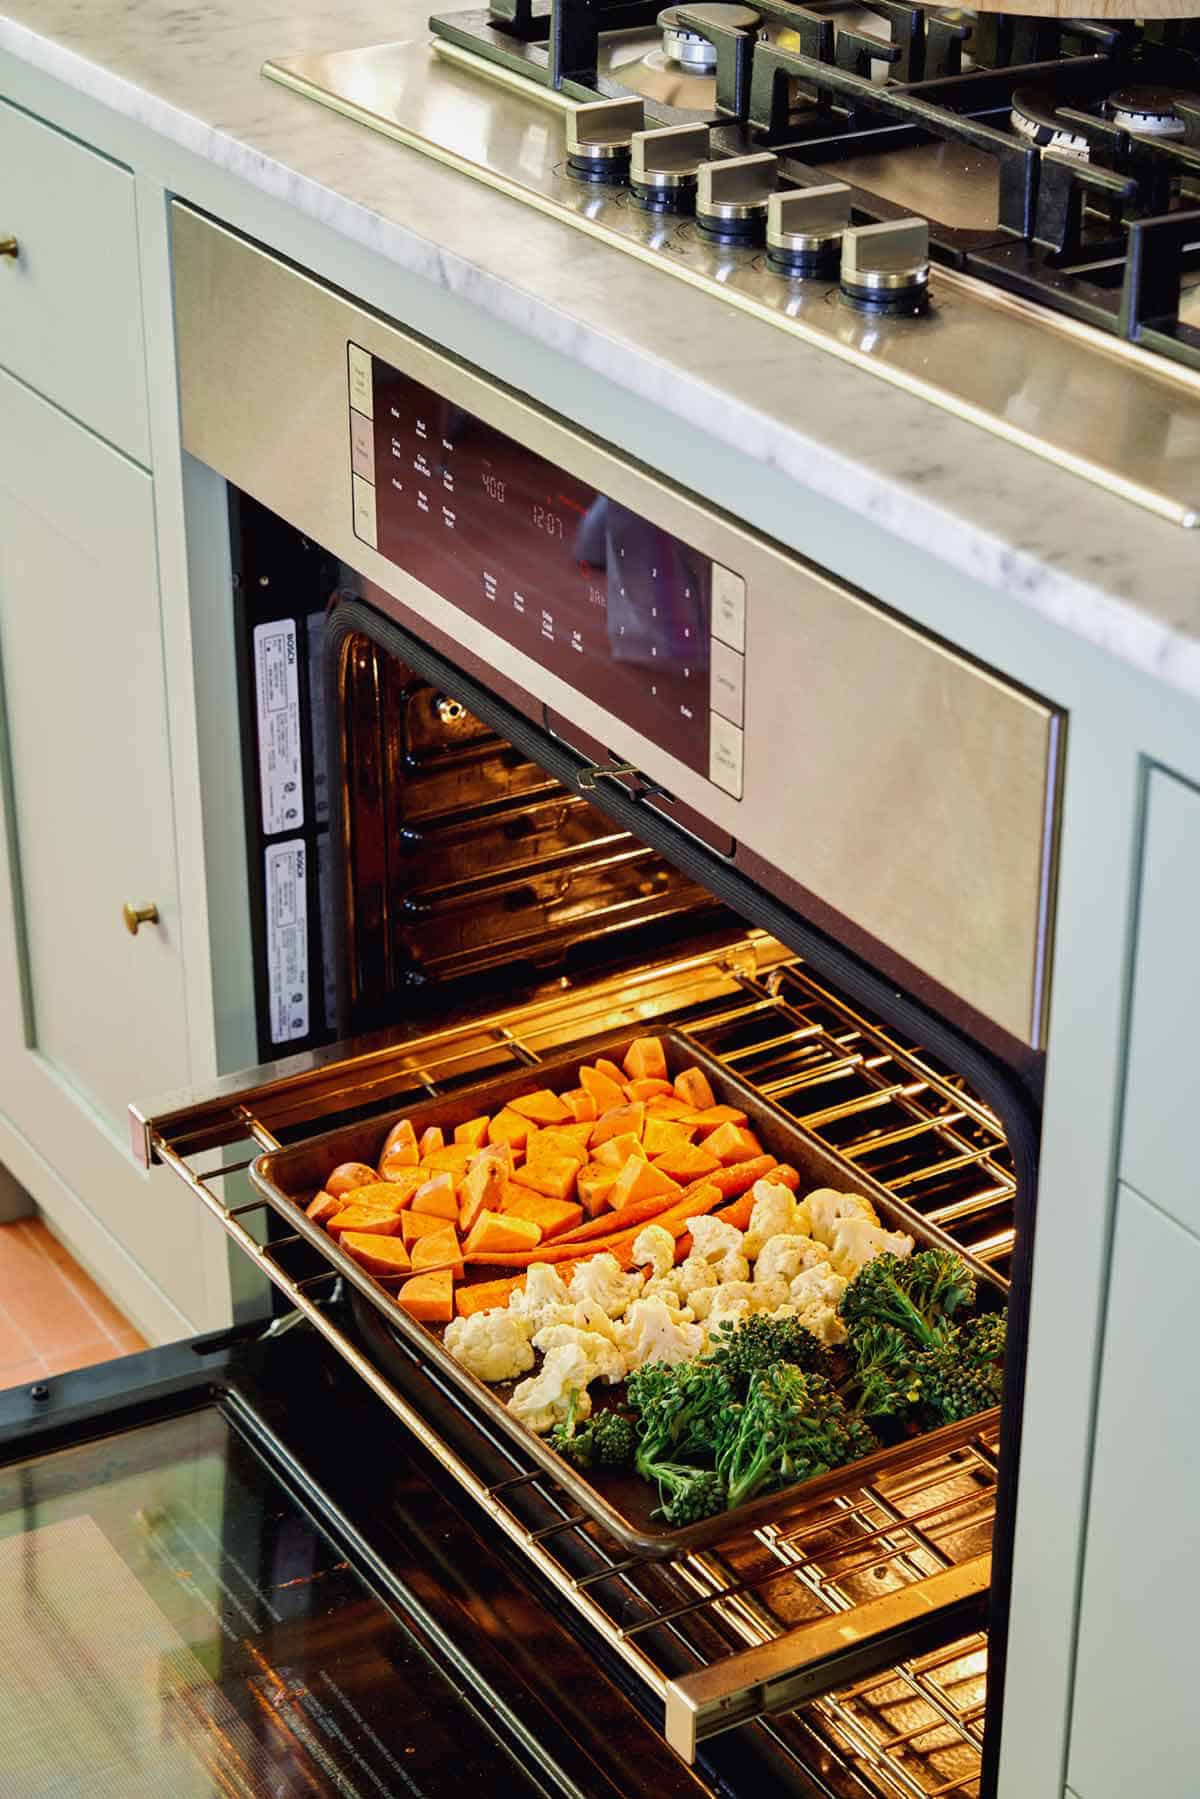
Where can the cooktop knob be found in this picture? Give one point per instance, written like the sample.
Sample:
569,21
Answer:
683,44
663,166
804,229
598,139
732,197
885,267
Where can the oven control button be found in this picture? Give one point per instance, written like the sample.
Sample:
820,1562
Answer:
804,229
663,166
598,139
885,267
362,387
725,755
732,196
362,446
727,682
729,608
364,511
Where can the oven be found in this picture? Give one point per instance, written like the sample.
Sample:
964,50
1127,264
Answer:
540,748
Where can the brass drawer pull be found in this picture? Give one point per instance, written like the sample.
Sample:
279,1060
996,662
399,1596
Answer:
9,247
136,916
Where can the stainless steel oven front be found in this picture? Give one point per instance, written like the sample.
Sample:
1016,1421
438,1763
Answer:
843,833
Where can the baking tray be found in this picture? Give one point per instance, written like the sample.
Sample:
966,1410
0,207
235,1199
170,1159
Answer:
622,1503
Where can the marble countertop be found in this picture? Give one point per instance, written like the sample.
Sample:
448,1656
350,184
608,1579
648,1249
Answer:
1100,567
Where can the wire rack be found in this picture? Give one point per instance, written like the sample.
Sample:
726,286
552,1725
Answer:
748,1631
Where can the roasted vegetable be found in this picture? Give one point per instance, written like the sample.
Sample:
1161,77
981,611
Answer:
679,1409
911,1358
606,1440
965,1374
687,1494
762,1340
917,1295
791,1427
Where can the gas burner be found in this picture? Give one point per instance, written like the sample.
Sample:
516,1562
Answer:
1149,111
688,48
1033,115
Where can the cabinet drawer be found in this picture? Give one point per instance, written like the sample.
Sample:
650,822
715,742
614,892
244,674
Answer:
70,299
1157,1146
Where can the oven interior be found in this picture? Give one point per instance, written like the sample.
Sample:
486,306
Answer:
480,917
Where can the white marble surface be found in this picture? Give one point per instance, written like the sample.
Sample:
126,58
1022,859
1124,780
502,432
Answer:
1099,566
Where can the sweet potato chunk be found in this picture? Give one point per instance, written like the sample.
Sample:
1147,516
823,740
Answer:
323,1208
593,1185
429,1297
648,1089
581,1105
400,1145
430,1141
553,1215
689,1162
610,1071
639,1180
455,1158
646,1059
483,1188
712,1117
693,1087
347,1176
662,1134
621,1120
555,1141
380,1196
552,1175
473,1133
370,1219
415,1225
732,1143
542,1107
481,1296
495,1231
437,1198
384,1257
440,1249
662,1107
501,1153
402,1181
617,1151
509,1127
601,1088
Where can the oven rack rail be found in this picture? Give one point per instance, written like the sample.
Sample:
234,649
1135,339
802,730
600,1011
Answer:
706,1635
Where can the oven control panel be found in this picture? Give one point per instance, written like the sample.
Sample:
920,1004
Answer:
616,606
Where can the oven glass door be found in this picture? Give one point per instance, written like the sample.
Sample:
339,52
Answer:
172,1623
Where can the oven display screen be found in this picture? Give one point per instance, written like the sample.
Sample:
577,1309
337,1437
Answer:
603,598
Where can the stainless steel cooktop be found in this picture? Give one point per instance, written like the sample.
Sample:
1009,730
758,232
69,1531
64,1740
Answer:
1084,398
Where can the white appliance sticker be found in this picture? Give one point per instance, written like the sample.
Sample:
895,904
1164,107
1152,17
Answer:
277,689
287,939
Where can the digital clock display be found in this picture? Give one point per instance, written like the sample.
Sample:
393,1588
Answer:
607,600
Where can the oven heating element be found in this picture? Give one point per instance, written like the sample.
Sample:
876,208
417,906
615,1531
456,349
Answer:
696,1631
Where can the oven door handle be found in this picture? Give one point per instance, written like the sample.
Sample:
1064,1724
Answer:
830,1652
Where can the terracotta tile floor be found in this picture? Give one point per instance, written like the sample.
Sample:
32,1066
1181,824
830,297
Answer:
52,1315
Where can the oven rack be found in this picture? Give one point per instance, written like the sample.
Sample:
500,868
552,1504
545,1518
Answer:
752,1630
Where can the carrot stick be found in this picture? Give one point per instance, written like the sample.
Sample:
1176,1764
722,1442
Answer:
738,1214
730,1181
483,1295
704,1197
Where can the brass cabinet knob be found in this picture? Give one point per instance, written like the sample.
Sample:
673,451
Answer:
9,247
138,915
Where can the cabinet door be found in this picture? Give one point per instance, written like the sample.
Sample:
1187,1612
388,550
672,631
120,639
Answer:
1136,1726
1158,1154
90,1015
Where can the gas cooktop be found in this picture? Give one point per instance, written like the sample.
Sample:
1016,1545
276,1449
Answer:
999,213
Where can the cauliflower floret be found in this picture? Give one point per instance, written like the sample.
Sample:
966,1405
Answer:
713,1237
784,1256
821,1212
694,1276
856,1241
666,1288
818,1285
601,1281
588,1316
822,1320
605,1361
769,1295
656,1247
542,1293
772,1215
541,1401
491,1345
653,1332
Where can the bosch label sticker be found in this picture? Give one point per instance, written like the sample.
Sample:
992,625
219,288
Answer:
277,689
287,939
